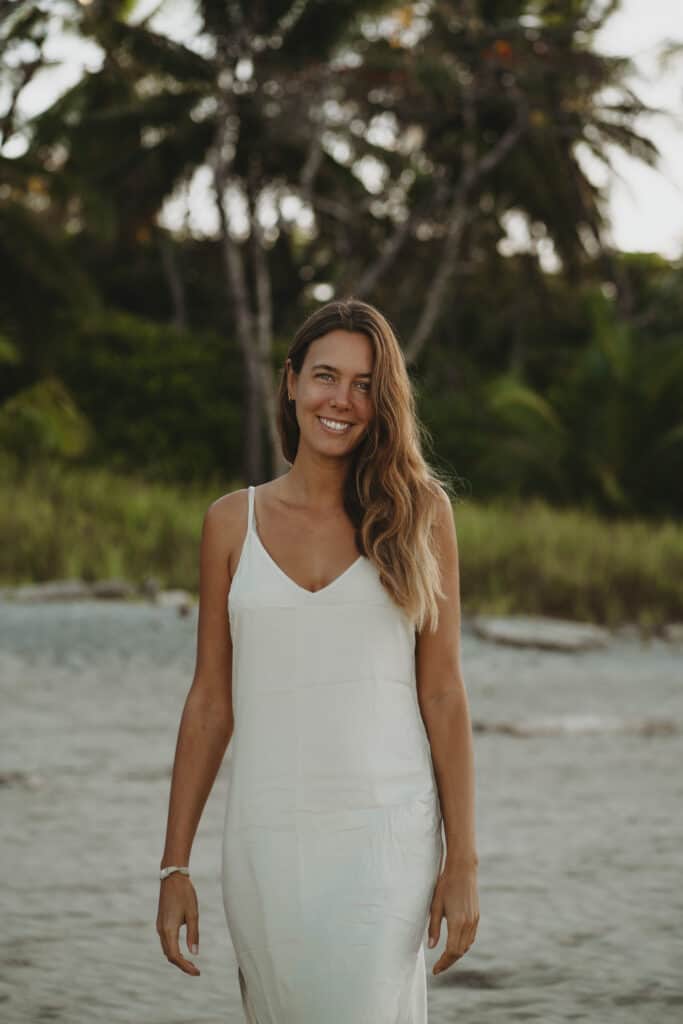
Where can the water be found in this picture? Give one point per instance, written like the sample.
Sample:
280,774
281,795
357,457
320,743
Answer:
579,834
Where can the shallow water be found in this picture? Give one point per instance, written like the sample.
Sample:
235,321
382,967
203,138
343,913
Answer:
579,833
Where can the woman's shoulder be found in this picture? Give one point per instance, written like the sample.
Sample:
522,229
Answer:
225,522
228,504
443,503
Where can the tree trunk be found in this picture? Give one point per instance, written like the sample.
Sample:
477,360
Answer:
460,212
176,285
264,324
253,461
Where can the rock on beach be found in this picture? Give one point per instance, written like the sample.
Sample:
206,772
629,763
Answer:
538,631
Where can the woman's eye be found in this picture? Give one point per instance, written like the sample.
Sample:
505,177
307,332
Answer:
365,386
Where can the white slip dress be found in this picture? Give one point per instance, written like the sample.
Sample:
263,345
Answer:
333,837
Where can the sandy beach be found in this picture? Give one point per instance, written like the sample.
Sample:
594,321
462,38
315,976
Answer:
579,796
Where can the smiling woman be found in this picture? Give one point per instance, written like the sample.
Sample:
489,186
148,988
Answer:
338,680
346,374
320,386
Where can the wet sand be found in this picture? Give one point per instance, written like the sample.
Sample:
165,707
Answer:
579,797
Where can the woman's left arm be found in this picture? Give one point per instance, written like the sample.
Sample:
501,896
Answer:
445,712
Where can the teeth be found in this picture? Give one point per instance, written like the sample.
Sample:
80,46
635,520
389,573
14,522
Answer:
334,425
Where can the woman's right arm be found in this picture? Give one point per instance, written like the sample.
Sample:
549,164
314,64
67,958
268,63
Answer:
205,730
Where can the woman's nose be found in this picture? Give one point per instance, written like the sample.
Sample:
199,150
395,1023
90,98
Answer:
341,396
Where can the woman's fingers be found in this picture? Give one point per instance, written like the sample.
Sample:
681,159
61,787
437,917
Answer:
474,924
456,899
461,933
192,930
435,915
173,954
176,909
456,945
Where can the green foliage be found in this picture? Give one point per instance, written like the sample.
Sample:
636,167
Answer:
527,557
58,522
533,385
515,557
9,353
43,289
43,420
590,409
162,401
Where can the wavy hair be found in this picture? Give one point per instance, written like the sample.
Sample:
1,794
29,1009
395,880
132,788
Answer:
391,489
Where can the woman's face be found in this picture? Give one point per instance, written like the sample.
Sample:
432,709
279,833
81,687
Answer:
333,387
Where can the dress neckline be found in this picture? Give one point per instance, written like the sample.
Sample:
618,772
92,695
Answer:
280,570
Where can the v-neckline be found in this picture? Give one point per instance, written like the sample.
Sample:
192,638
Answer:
304,590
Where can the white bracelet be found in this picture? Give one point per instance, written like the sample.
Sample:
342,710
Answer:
165,872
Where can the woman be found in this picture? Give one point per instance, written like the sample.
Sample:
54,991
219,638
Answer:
339,681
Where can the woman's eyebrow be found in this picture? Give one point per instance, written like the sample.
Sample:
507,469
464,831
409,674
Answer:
326,366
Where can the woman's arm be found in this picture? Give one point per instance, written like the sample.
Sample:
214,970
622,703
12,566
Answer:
205,729
445,712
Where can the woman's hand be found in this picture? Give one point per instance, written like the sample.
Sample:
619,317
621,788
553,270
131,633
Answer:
455,898
178,906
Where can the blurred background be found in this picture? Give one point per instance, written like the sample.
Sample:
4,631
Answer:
181,183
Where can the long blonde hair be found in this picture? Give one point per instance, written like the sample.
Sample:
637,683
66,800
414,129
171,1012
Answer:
391,489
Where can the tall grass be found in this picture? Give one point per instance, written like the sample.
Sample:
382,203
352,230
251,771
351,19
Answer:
515,557
58,523
528,557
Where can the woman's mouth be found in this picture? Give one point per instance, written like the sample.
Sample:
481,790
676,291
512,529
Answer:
334,426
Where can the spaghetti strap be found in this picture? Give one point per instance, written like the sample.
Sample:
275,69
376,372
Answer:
250,520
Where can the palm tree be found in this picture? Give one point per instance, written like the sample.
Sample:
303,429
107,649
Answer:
124,138
609,429
456,87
